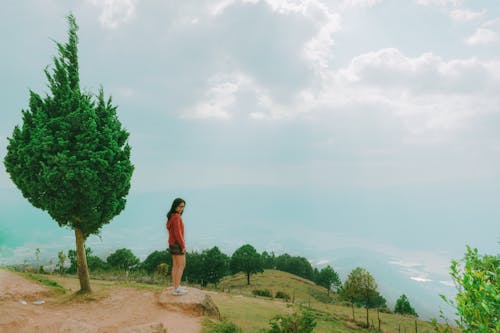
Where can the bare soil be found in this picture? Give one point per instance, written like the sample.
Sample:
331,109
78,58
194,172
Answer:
108,309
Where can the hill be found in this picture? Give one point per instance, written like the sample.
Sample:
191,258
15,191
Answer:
250,312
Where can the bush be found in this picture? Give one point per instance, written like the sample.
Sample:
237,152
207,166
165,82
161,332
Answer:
262,292
477,302
283,295
224,327
295,323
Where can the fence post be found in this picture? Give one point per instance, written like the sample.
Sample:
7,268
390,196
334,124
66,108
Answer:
416,327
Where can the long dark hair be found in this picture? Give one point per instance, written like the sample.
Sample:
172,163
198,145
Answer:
175,204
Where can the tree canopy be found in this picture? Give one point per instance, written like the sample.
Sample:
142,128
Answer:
246,259
360,286
478,300
403,306
70,157
122,259
328,278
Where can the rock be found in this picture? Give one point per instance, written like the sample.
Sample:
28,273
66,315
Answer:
73,326
210,308
145,328
195,301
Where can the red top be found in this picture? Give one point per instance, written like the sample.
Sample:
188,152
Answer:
175,228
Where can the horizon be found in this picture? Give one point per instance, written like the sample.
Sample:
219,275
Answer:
348,131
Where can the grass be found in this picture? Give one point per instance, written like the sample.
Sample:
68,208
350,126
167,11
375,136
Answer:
44,280
253,313
300,290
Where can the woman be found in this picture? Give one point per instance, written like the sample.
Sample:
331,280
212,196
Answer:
176,244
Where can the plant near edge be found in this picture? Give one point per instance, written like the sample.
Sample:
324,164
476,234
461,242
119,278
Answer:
71,157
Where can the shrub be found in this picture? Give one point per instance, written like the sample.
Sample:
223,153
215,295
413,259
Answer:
224,327
283,295
295,323
262,292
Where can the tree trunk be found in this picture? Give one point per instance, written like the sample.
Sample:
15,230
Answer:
248,278
83,272
352,307
367,322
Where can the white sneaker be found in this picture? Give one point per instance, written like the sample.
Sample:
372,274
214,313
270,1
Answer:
178,291
182,288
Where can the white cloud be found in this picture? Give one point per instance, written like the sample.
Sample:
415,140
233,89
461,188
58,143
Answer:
482,36
321,262
441,3
420,279
319,49
463,15
492,23
222,96
360,3
115,12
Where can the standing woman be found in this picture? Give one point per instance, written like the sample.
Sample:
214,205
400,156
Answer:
176,245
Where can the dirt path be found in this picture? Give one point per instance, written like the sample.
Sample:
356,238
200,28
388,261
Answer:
117,308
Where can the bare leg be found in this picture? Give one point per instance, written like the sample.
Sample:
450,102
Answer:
178,264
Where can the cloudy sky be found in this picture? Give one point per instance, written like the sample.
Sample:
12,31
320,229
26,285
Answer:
354,132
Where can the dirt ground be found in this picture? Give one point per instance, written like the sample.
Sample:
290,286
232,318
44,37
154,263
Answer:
110,310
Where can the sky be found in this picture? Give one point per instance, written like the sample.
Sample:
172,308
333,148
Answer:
351,132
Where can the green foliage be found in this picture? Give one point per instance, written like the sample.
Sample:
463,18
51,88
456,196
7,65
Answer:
60,263
193,271
224,327
246,259
73,262
478,300
122,259
154,259
96,264
70,157
295,265
360,287
214,266
328,278
262,292
295,323
403,306
46,282
268,260
283,295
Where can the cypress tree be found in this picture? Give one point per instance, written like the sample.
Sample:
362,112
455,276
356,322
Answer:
71,157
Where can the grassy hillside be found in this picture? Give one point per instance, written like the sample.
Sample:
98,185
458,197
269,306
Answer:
252,313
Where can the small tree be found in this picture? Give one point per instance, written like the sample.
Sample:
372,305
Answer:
122,259
247,260
328,278
60,262
403,306
215,265
360,286
71,157
477,303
